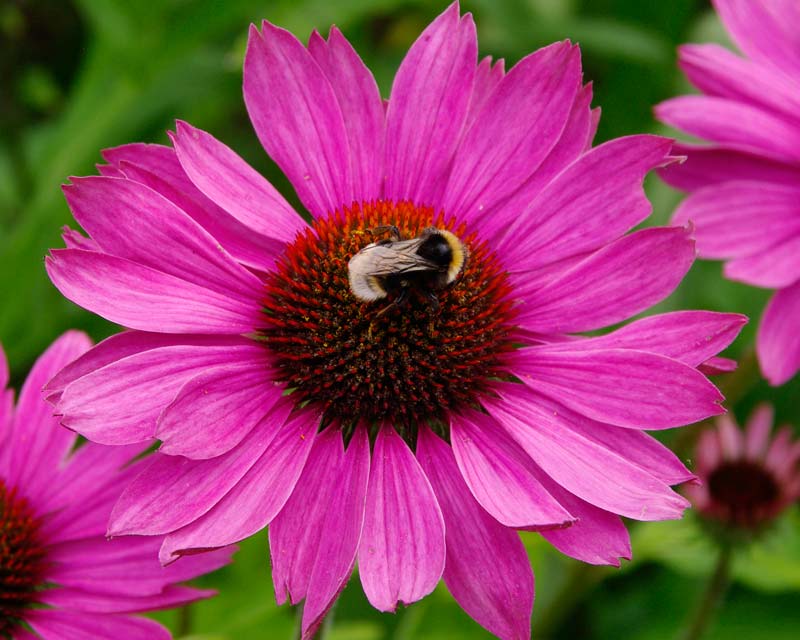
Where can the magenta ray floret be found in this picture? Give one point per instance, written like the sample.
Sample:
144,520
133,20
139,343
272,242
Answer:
59,575
416,439
745,186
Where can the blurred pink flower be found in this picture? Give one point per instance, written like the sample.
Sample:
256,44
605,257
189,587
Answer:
745,189
413,440
748,478
59,575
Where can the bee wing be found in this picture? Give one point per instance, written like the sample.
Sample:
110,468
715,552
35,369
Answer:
392,258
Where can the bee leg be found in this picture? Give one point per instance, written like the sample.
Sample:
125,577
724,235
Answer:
394,232
435,306
399,301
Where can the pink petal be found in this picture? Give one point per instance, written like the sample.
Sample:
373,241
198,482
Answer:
775,267
689,336
598,537
402,551
120,402
741,218
518,126
590,203
778,340
257,498
213,411
757,432
297,118
126,567
127,343
486,568
498,474
569,147
487,77
57,624
428,106
636,446
715,366
336,553
623,387
580,465
246,245
139,297
314,539
720,119
172,596
157,167
712,165
36,445
362,109
131,221
765,31
296,533
173,491
719,72
612,284
234,185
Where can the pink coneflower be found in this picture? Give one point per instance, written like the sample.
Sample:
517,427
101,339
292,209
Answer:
414,438
59,575
748,478
745,189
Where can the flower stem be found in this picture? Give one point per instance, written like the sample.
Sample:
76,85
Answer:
714,593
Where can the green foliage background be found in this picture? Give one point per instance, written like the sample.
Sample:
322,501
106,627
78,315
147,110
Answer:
79,76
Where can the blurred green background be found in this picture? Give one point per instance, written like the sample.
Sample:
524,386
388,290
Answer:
79,76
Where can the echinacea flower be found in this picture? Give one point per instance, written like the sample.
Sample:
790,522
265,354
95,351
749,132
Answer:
59,575
745,187
747,479
414,438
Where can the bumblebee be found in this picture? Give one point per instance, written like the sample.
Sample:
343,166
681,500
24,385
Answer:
427,263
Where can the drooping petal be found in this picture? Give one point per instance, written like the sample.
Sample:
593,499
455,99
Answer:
498,474
612,284
590,203
131,221
428,106
402,551
580,465
778,340
297,531
517,127
361,106
257,497
139,297
336,554
226,179
120,402
147,506
296,115
486,569
628,388
597,537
